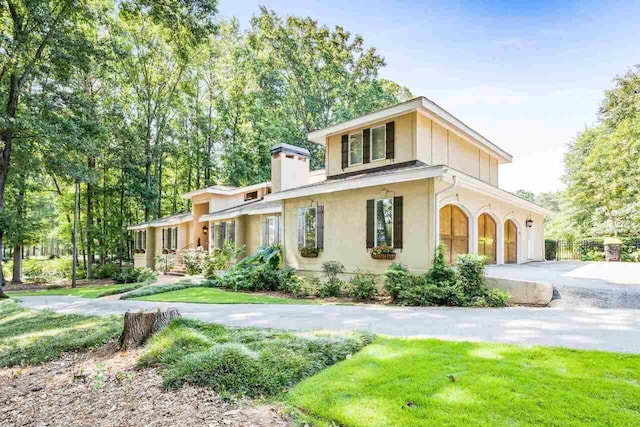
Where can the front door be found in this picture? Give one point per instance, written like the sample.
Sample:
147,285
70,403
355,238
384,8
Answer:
487,237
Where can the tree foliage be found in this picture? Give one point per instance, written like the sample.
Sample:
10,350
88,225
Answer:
140,101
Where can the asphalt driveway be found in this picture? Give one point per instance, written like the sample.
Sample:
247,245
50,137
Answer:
581,284
582,328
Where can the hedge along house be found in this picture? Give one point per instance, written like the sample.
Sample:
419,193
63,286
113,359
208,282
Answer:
406,177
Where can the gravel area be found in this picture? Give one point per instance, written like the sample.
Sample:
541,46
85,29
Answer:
103,388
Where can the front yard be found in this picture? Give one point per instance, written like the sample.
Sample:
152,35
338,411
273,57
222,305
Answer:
345,378
402,382
84,291
219,296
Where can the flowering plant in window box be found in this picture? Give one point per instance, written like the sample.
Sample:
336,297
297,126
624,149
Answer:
383,252
310,252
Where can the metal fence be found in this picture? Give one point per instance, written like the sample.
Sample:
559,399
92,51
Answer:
589,249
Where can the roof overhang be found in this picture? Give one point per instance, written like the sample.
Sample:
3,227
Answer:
163,222
226,192
425,107
402,175
465,181
264,209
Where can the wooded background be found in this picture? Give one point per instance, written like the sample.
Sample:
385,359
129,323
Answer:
123,107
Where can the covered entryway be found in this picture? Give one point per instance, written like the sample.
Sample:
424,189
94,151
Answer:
454,231
487,237
510,242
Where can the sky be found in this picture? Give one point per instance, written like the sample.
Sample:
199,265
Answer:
528,75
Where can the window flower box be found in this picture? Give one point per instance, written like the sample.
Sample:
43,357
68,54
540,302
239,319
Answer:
309,252
383,252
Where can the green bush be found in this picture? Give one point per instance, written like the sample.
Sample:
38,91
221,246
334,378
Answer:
220,260
262,277
301,287
471,270
630,256
363,287
333,285
443,285
135,275
550,249
193,260
107,271
592,255
396,278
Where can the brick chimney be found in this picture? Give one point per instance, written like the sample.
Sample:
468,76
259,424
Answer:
289,167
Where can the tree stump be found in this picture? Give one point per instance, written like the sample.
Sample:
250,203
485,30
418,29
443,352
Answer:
140,326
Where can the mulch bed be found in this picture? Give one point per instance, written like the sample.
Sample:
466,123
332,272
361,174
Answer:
103,388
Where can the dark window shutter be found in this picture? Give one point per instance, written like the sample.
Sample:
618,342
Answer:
397,222
391,140
345,151
366,146
320,227
370,223
232,232
300,228
265,231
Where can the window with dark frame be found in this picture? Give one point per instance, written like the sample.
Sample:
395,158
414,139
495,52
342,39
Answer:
251,195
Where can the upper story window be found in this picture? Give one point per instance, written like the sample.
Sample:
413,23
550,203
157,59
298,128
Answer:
384,222
378,143
251,195
355,149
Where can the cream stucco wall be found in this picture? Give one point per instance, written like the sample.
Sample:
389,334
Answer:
474,204
345,228
288,170
405,150
419,138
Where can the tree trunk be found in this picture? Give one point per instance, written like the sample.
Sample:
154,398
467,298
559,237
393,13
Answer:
140,326
16,278
89,247
74,263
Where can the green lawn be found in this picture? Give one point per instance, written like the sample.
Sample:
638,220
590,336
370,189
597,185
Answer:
219,296
402,382
29,336
84,292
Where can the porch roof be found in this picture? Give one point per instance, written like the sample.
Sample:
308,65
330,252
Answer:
164,221
254,207
226,190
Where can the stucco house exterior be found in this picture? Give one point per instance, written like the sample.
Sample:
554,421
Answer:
408,176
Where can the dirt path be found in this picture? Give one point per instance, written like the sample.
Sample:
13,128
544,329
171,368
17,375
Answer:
103,388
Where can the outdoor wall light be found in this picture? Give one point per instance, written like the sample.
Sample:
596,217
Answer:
205,229
529,223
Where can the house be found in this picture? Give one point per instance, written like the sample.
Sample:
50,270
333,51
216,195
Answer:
408,176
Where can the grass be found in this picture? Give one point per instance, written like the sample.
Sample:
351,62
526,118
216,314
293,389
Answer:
244,362
400,382
30,337
84,292
219,296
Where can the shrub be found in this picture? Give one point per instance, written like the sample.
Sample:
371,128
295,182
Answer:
135,275
220,260
159,289
193,260
301,287
550,249
630,256
363,287
471,269
497,297
262,277
396,278
235,280
333,285
107,271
